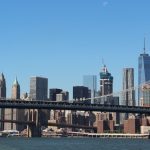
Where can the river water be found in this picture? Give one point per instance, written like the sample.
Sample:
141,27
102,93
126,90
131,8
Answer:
13,143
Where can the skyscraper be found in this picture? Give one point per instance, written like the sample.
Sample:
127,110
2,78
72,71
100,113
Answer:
15,90
143,71
38,88
14,114
53,92
2,95
106,89
63,96
80,93
2,86
90,81
128,89
145,100
106,82
38,91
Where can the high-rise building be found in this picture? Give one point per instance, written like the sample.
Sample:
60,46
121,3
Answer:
38,91
106,86
14,114
128,87
15,90
2,95
106,82
106,89
145,100
143,71
53,92
90,81
2,86
128,95
80,93
63,96
38,88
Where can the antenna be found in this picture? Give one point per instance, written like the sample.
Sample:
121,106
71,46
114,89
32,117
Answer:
103,62
144,45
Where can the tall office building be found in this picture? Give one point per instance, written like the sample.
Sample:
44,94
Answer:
15,90
143,71
106,88
63,96
128,87
90,81
2,95
53,92
80,93
2,86
38,88
38,91
128,90
145,100
14,114
106,82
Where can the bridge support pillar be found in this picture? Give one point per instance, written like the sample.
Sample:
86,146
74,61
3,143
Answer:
34,130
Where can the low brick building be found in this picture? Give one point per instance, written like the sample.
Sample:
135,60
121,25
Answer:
105,126
132,125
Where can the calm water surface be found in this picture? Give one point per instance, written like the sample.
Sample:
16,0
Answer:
73,144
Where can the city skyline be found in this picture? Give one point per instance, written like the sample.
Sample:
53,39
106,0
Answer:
63,41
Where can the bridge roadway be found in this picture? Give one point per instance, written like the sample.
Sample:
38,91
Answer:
36,104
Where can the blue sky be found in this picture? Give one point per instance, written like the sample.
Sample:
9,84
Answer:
66,39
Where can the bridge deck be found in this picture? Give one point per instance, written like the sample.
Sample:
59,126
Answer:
20,104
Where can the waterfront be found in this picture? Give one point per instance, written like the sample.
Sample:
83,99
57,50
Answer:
73,144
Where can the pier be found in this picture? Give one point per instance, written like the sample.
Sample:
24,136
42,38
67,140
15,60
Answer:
109,135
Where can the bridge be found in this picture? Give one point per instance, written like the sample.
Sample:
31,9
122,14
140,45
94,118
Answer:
34,107
37,104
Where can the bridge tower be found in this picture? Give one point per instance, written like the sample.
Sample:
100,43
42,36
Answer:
38,91
34,130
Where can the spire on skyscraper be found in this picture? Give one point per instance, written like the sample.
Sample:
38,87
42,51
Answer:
16,82
104,69
2,85
2,76
144,46
144,50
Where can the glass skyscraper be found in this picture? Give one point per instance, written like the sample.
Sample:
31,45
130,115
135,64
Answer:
143,72
106,82
106,87
90,81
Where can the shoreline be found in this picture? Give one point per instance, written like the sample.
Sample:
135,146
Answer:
102,135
